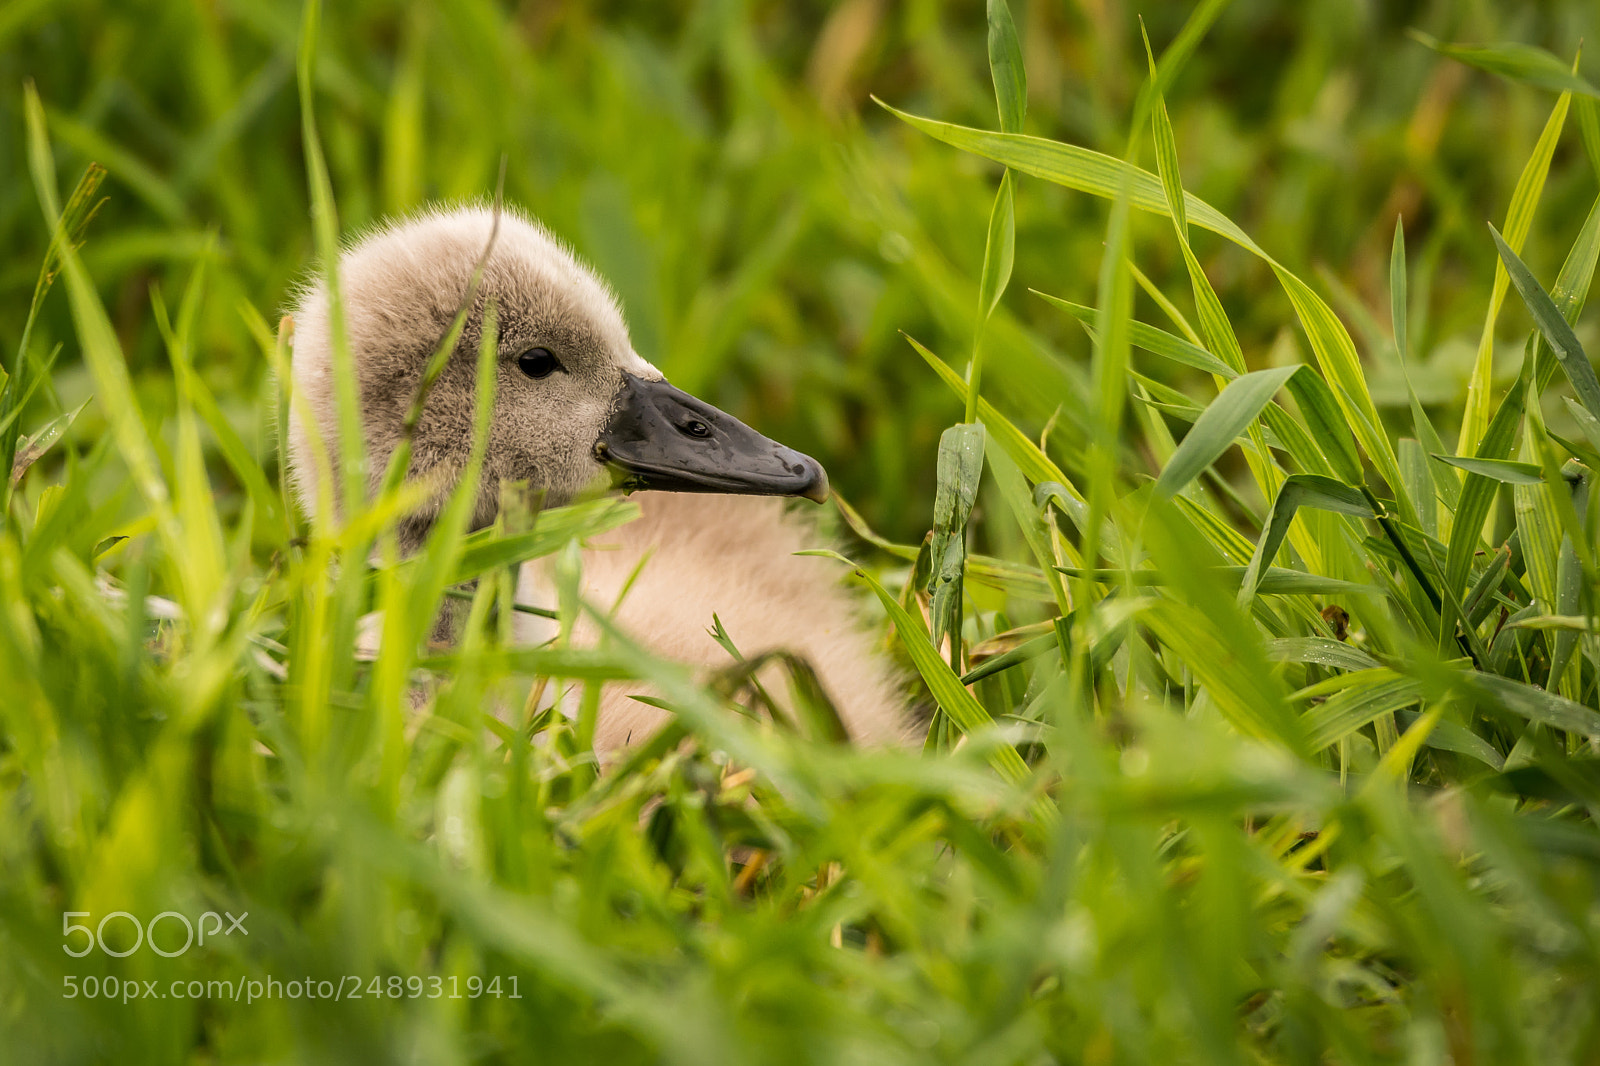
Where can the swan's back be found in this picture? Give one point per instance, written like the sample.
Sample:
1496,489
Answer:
734,556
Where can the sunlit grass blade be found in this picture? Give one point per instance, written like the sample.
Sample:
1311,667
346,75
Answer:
1519,218
351,450
999,249
1101,175
101,349
1563,342
954,699
1153,340
1234,409
1360,699
482,552
1298,490
1506,471
1325,424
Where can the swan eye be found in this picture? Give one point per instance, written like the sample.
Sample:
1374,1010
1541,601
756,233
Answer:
538,363
696,428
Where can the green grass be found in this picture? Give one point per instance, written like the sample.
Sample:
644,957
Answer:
1277,740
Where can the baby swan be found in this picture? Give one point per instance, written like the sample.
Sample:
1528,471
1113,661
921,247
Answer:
574,402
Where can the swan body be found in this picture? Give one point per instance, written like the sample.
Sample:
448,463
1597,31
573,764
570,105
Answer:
575,405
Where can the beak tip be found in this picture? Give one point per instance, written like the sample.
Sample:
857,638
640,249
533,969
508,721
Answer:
817,490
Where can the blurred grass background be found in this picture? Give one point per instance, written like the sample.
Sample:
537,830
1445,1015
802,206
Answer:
770,230
1277,829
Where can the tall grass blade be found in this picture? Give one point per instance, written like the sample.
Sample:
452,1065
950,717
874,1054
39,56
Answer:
1101,175
1298,490
1234,409
1505,471
1524,63
1519,218
1557,333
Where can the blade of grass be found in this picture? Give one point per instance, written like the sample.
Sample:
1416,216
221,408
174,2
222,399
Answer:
1553,325
1235,408
1519,218
1525,63
1101,175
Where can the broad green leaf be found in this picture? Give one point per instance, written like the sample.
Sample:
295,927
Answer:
1571,289
1398,307
1586,422
1166,147
1284,431
1477,491
1538,521
1214,324
999,249
1277,580
1568,601
1560,623
1025,652
1076,168
998,253
1451,736
1223,420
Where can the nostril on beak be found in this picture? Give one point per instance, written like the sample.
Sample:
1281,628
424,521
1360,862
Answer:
817,490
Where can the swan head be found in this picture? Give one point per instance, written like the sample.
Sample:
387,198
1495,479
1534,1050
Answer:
574,403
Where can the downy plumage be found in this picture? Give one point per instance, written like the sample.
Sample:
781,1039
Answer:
576,404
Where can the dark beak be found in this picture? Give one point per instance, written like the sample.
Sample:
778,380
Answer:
659,437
